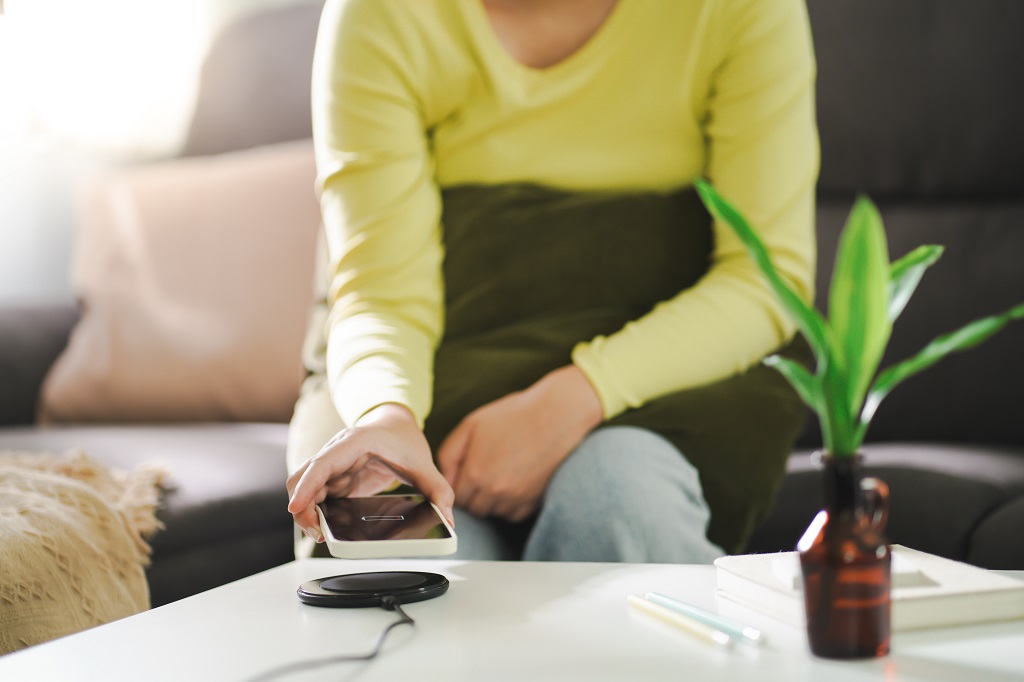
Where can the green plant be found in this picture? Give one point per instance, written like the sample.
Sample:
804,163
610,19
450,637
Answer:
866,296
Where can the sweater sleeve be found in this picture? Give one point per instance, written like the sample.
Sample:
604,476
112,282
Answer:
762,155
381,212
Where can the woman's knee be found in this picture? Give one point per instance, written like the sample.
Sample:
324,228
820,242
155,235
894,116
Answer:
620,463
625,494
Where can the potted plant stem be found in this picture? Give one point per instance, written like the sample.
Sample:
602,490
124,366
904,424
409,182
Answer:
844,555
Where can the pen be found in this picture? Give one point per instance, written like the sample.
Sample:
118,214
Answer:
739,631
695,628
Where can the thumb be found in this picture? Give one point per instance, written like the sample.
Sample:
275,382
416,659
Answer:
431,483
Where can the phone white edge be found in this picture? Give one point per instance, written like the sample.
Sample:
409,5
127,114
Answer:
389,549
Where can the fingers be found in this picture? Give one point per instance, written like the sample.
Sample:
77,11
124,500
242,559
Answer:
309,485
431,483
470,504
293,479
470,485
331,462
521,513
512,508
364,460
459,468
453,451
309,522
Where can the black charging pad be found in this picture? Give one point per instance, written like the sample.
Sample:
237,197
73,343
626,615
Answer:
356,590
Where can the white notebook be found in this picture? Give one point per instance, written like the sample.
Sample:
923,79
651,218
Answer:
928,590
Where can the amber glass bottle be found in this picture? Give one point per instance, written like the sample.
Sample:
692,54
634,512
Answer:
846,565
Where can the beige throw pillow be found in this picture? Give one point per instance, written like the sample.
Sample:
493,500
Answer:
195,279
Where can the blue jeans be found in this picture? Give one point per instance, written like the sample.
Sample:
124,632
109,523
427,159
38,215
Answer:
624,494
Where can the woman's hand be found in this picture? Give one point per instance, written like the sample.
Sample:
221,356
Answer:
385,444
500,458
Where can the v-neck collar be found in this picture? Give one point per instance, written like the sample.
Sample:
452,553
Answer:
487,38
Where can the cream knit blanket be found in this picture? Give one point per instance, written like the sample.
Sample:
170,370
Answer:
72,544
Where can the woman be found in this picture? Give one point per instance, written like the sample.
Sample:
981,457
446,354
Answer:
522,283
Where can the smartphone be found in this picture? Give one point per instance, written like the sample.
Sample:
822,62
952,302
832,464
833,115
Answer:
384,526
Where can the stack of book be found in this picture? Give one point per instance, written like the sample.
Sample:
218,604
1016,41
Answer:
927,590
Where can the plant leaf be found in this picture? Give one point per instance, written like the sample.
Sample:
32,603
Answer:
962,339
808,319
807,386
838,425
859,301
906,274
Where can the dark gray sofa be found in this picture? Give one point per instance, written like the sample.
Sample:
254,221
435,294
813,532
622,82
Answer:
919,107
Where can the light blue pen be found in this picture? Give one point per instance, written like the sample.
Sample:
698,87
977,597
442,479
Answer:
744,633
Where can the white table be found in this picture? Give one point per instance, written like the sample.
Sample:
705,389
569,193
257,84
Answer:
498,621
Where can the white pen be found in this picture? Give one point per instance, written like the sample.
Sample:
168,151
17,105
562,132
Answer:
739,631
693,627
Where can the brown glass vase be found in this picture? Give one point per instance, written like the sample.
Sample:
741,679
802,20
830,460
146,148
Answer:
846,565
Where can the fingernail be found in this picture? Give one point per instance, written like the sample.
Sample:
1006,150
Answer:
315,534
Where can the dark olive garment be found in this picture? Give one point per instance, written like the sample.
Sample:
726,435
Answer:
531,271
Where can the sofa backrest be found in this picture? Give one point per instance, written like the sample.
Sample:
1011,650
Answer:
254,85
920,107
921,100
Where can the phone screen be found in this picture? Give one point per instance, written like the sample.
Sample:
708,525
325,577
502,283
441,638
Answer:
384,517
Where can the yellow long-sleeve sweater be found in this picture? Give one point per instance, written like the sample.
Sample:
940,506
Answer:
410,96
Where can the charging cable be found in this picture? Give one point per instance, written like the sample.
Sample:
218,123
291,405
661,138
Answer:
388,602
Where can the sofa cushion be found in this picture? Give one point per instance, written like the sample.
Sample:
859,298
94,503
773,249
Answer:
195,278
939,494
996,543
224,508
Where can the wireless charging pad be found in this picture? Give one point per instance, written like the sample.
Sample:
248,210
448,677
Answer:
356,590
